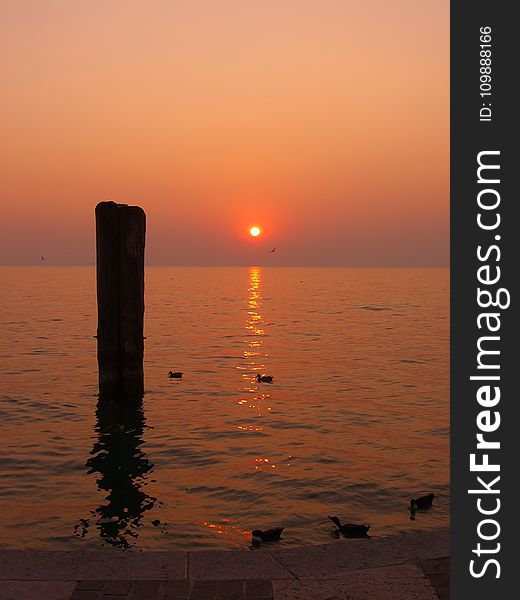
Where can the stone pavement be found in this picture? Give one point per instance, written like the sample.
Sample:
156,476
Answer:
438,573
181,589
414,566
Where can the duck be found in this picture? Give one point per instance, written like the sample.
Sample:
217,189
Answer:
175,375
351,529
264,378
422,502
269,535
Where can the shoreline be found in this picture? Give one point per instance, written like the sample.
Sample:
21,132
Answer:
411,566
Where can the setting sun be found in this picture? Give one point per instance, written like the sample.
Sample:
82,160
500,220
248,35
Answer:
255,231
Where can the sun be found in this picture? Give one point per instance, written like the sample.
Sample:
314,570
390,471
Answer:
255,231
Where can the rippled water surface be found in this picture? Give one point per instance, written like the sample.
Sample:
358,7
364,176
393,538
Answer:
355,423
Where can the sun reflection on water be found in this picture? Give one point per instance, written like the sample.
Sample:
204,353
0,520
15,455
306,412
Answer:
254,353
224,528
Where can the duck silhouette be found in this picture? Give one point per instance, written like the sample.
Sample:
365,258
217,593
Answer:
351,529
175,375
264,378
422,502
269,535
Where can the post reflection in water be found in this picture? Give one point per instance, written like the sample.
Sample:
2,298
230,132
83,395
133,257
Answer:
122,470
254,353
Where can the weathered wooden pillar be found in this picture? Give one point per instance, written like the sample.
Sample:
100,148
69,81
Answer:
120,241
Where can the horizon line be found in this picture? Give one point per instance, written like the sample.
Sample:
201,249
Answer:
227,266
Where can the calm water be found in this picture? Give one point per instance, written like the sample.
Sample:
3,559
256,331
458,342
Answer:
355,423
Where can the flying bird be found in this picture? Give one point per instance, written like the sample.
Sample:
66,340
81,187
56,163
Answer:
271,251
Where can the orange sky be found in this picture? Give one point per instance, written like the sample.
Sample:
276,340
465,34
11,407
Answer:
326,122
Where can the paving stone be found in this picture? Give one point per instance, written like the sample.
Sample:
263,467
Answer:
435,565
229,596
85,595
177,588
230,590
36,590
235,564
210,586
399,582
230,586
438,572
203,589
441,585
91,584
338,560
146,590
202,595
259,588
117,588
41,565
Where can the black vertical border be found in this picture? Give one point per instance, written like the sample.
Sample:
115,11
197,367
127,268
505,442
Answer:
469,136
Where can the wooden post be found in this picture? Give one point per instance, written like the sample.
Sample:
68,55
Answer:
120,241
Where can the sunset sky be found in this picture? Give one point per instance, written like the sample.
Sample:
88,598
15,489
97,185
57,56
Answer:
323,122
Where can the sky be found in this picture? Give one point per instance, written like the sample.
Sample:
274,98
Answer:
323,122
